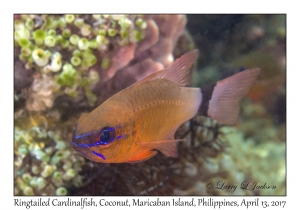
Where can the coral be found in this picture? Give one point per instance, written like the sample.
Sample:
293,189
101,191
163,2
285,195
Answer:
250,162
44,163
138,60
23,77
66,48
41,94
82,55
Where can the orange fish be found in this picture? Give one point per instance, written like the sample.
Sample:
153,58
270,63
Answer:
137,122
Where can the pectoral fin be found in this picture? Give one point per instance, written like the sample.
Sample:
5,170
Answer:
167,147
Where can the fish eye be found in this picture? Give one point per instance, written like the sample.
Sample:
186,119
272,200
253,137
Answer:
107,135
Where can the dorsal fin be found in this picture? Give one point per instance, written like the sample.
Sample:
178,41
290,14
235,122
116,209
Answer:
178,72
153,76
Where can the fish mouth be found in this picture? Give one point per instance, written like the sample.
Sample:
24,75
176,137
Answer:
75,146
79,149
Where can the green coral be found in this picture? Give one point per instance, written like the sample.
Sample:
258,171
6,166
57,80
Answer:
69,18
39,36
74,39
43,37
50,41
67,77
42,163
61,191
67,49
40,57
83,44
105,63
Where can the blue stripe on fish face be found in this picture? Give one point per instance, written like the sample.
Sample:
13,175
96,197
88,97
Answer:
84,135
92,145
107,135
99,154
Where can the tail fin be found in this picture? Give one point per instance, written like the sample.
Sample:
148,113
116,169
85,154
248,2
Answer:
221,100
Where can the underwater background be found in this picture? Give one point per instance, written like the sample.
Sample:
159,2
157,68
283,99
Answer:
66,65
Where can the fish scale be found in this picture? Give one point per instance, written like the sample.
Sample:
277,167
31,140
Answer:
170,99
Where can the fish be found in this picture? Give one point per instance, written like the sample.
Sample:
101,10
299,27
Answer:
263,89
136,123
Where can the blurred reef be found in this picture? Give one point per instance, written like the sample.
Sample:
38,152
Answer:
66,65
